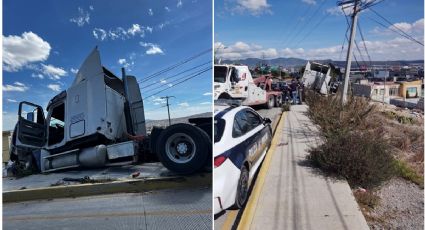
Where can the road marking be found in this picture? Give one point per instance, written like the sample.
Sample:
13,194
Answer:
248,214
108,214
230,219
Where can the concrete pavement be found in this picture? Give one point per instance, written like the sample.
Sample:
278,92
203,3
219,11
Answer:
166,209
294,195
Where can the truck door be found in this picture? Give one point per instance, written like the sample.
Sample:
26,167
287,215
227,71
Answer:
31,128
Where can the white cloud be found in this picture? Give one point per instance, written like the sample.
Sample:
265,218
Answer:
128,64
91,8
39,75
254,7
150,12
74,71
18,51
133,30
170,85
389,49
309,2
184,104
53,72
16,86
99,34
163,81
121,61
152,48
121,33
205,103
242,50
11,100
207,94
167,9
158,100
179,3
54,87
82,18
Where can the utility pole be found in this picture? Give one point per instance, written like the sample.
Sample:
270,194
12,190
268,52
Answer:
350,50
168,108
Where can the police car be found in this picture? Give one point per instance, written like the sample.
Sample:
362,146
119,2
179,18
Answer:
241,140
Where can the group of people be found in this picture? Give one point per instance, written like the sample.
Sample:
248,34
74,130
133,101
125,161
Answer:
294,91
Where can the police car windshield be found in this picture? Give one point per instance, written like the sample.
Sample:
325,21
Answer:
220,73
218,129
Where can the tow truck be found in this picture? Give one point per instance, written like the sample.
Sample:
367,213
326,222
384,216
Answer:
236,82
99,121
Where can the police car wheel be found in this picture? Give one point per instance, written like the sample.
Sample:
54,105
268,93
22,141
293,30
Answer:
183,148
243,187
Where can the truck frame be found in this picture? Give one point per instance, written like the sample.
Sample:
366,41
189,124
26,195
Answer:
91,124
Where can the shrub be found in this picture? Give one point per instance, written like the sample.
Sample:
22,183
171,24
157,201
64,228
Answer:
360,158
404,171
367,199
350,150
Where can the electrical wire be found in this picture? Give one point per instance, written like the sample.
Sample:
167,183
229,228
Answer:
184,71
176,80
184,80
175,65
404,34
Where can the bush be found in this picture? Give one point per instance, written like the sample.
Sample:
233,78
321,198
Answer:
333,118
350,150
367,200
360,158
404,171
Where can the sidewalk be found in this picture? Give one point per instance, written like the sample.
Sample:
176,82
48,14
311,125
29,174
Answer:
296,196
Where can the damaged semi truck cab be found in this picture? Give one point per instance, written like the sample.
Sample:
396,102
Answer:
88,125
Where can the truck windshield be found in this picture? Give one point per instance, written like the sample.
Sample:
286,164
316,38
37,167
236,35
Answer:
218,129
220,73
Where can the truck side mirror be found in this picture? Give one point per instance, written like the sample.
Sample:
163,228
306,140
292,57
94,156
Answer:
30,116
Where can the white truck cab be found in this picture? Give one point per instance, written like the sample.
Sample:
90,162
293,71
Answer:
236,82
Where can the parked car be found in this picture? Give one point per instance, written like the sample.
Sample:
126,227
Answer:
241,140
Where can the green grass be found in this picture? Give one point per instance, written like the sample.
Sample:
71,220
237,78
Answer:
404,171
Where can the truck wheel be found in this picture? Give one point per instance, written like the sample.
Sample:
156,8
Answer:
183,148
278,102
270,102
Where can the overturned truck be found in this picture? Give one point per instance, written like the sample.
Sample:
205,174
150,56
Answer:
317,77
99,121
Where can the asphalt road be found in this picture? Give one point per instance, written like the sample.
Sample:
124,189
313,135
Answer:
228,218
167,209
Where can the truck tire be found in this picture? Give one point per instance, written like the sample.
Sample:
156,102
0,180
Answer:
278,102
183,148
270,102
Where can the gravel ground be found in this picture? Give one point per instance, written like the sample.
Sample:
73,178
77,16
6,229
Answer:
401,206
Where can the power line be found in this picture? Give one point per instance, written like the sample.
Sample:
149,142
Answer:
308,22
364,43
288,34
195,75
175,65
176,80
404,34
317,25
184,71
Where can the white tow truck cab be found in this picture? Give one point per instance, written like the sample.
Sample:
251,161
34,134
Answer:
88,125
236,82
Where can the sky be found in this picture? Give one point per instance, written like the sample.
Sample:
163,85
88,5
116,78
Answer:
45,42
315,29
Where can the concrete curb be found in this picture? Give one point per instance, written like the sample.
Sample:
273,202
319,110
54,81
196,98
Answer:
128,186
